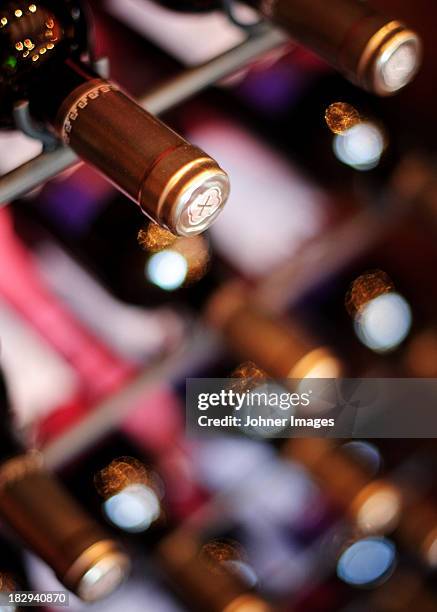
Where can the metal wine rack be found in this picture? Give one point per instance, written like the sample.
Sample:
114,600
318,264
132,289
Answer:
169,94
332,251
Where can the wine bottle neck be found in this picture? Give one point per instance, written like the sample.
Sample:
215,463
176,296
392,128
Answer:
56,86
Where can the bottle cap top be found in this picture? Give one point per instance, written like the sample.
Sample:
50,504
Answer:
190,189
391,59
98,571
103,577
200,202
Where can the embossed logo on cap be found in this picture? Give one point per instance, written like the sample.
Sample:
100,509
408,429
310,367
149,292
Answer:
205,205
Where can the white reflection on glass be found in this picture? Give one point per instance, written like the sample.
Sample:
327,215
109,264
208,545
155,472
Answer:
318,363
366,453
384,322
167,269
367,562
102,579
361,146
243,570
133,509
430,549
380,510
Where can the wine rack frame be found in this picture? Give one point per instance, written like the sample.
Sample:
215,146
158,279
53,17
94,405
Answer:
166,96
278,292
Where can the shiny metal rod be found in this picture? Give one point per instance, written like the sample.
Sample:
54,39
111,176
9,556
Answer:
30,175
193,80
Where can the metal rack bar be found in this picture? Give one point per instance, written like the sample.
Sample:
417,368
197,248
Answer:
194,80
20,181
199,351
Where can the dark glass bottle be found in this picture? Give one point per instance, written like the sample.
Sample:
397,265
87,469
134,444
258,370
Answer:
37,508
45,59
378,53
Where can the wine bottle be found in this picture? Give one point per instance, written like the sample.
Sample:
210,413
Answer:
204,587
44,58
149,495
278,346
36,507
378,53
395,501
350,484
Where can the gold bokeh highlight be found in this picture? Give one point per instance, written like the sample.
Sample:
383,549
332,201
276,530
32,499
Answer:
119,474
341,116
216,552
365,288
155,238
247,376
196,253
7,583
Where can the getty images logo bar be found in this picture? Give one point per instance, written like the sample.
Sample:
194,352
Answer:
338,408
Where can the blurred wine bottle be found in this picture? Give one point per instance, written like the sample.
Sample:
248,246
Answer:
45,59
374,504
399,588
35,507
204,583
381,501
375,52
140,497
278,346
140,491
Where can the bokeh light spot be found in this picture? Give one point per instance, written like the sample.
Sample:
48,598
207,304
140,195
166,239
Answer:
367,562
384,322
134,509
366,287
360,146
167,270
